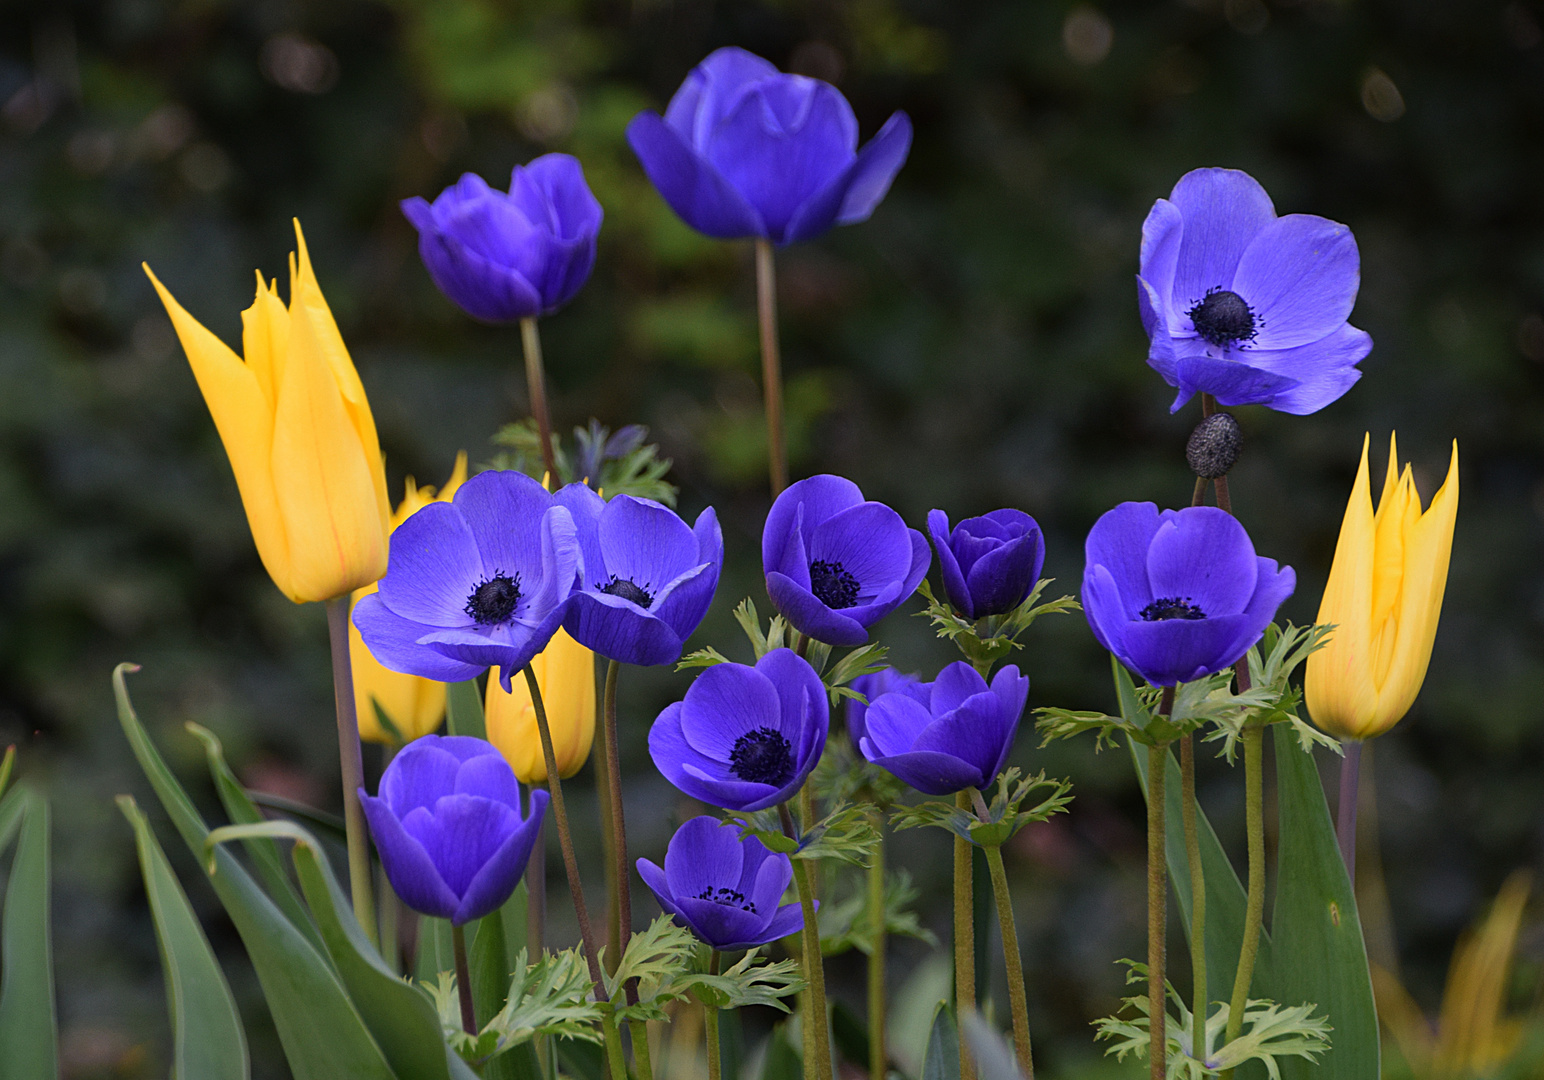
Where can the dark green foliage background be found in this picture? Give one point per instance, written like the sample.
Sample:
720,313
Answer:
974,345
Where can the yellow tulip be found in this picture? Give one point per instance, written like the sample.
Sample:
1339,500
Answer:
1384,596
414,706
298,431
565,671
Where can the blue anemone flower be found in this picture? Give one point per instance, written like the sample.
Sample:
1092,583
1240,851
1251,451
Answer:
448,826
947,735
724,889
884,681
648,577
836,563
1180,594
989,563
744,738
1244,305
744,150
481,581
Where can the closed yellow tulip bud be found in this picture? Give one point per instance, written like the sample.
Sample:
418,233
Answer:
414,706
565,671
1384,596
299,435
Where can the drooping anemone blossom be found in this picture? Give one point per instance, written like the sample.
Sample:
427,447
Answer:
1179,594
744,738
723,889
1244,305
836,563
648,576
448,826
744,150
481,581
884,681
947,735
989,563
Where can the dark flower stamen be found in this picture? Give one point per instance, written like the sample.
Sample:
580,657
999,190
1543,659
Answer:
494,599
1223,318
627,590
832,585
762,756
1172,607
728,897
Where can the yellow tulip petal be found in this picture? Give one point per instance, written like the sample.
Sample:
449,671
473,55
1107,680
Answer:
565,671
265,339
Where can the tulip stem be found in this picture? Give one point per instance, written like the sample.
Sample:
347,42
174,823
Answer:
1187,773
814,963
1345,811
463,980
876,956
1254,912
536,388
1157,900
351,765
771,365
964,937
566,843
710,1022
1016,996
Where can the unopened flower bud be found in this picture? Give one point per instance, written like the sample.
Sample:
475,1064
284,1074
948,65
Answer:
1214,446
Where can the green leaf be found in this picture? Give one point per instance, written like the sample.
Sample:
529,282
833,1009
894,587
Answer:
702,658
29,1030
5,767
323,1035
549,997
749,982
942,1061
783,1060
464,709
582,1060
207,1037
436,953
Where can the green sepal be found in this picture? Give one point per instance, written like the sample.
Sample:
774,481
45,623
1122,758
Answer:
986,641
847,833
1005,815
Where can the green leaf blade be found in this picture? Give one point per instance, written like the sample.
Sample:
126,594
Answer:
29,1028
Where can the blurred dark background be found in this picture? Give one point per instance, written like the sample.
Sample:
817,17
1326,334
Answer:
974,345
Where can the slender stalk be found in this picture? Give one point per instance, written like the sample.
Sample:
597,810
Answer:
536,387
618,823
1224,503
643,1066
566,843
1017,1000
710,1018
807,822
1198,496
876,957
1254,913
536,897
964,937
390,914
352,766
1157,901
608,845
1345,811
814,964
616,1063
1198,1006
771,365
463,980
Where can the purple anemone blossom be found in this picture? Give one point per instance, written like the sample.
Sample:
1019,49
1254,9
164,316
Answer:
744,738
648,577
744,150
724,889
448,827
954,735
510,256
481,581
835,563
884,681
989,563
1244,305
1180,594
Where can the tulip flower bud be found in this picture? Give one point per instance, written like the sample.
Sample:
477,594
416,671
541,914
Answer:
565,671
1384,597
298,431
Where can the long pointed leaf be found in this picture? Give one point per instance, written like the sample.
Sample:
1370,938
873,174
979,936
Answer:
464,709
29,1030
323,1036
208,1042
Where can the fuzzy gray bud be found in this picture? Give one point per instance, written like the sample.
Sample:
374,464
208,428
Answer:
1214,446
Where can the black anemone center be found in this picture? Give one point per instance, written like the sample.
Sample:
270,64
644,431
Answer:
1172,607
494,599
728,897
627,590
832,585
1222,318
762,756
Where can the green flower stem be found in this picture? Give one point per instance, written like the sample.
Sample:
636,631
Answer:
816,1037
876,957
1016,996
1187,772
710,1022
1254,912
771,365
1157,901
616,1063
617,873
566,843
536,388
463,980
351,765
608,846
643,1066
964,937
